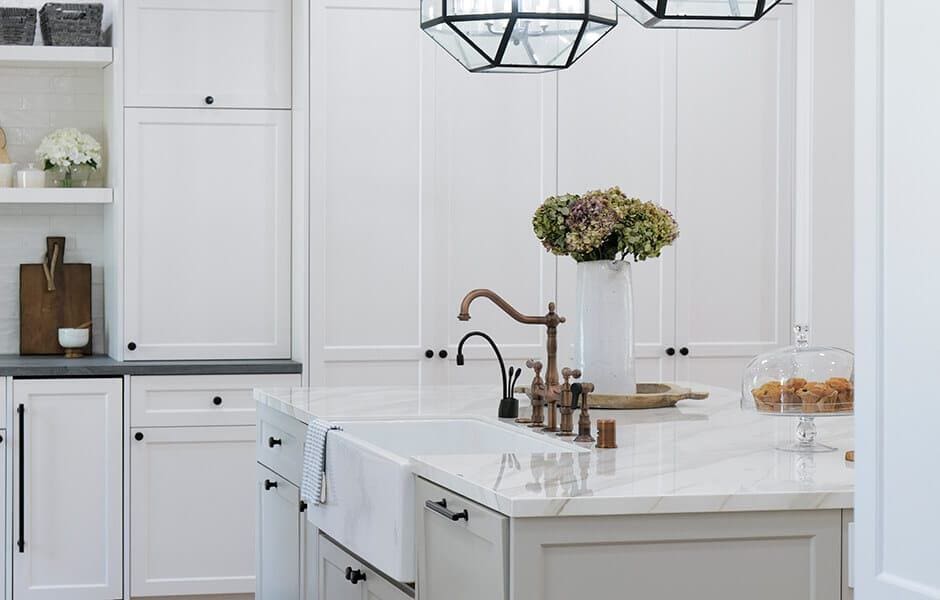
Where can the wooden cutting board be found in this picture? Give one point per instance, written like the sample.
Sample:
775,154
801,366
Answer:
43,310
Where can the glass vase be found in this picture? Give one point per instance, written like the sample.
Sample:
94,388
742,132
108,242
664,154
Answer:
75,176
604,347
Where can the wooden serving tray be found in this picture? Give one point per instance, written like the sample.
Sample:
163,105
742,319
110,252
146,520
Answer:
649,395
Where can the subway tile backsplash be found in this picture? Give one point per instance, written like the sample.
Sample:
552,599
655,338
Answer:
34,102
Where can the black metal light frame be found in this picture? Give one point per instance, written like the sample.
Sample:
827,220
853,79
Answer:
660,19
494,63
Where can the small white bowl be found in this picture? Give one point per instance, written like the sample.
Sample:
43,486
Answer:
72,340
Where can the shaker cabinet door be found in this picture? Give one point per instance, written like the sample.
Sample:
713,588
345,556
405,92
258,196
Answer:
207,234
67,489
192,511
278,546
208,53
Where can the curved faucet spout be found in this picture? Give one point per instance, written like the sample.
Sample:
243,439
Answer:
550,320
499,357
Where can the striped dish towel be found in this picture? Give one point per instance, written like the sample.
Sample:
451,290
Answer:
313,485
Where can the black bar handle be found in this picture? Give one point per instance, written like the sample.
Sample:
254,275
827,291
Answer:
273,441
268,484
21,415
441,509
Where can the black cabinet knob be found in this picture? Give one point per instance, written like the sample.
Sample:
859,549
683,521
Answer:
210,100
138,436
131,346
354,576
670,351
429,353
302,506
268,484
273,441
217,400
442,353
684,351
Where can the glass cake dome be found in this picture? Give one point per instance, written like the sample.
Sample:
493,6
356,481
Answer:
801,381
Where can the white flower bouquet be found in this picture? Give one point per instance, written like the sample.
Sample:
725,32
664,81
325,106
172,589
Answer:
72,154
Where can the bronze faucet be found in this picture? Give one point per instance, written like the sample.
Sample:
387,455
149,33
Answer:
551,321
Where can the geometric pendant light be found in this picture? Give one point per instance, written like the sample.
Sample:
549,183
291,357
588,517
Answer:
513,36
696,14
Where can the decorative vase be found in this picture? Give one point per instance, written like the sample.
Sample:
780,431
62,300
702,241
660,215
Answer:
75,176
604,348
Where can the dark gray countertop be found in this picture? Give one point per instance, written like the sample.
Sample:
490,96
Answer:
12,365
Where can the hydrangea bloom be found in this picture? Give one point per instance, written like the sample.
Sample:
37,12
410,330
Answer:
68,148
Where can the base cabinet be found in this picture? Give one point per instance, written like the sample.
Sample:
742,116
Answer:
279,522
67,489
737,556
192,511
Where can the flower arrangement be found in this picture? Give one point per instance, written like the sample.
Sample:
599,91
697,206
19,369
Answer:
604,225
69,151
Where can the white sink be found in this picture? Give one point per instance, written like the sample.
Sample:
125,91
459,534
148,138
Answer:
370,488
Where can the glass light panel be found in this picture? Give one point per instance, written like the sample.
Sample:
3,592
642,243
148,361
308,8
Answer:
592,35
541,42
552,6
712,8
478,7
486,35
456,47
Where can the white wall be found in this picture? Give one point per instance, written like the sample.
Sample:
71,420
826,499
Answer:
34,102
833,146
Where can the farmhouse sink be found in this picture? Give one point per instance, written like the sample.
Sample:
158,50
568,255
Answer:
369,506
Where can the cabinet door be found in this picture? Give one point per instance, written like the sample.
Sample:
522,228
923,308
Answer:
278,547
67,489
734,201
207,234
192,511
3,503
464,559
180,53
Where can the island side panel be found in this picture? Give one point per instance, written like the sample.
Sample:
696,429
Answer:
739,556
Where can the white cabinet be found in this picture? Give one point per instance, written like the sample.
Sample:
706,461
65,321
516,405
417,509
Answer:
278,547
181,53
192,511
344,577
67,489
702,123
464,558
437,204
207,234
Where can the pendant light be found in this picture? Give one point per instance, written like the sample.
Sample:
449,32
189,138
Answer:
696,14
512,36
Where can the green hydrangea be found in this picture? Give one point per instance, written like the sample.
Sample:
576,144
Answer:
604,225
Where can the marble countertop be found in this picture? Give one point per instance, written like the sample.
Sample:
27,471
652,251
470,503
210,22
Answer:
12,365
701,456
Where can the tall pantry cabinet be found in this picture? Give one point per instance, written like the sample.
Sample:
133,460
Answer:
207,179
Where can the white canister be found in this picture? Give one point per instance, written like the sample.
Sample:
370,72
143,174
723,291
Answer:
7,171
31,177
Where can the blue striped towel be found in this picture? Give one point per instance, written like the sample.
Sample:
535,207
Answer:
312,487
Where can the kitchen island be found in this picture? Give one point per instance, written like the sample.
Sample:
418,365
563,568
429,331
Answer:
695,502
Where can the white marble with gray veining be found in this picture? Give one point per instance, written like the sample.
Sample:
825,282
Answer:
702,456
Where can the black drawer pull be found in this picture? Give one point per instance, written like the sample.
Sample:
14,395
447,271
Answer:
273,441
268,484
354,576
217,400
441,509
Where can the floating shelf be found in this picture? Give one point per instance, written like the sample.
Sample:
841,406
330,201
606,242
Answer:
56,196
56,57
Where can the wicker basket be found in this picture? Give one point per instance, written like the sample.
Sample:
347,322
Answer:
71,24
17,26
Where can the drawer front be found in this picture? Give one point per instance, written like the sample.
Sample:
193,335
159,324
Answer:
203,400
361,582
446,547
281,443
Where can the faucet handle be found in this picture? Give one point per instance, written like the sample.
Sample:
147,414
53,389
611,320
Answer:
534,364
569,374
